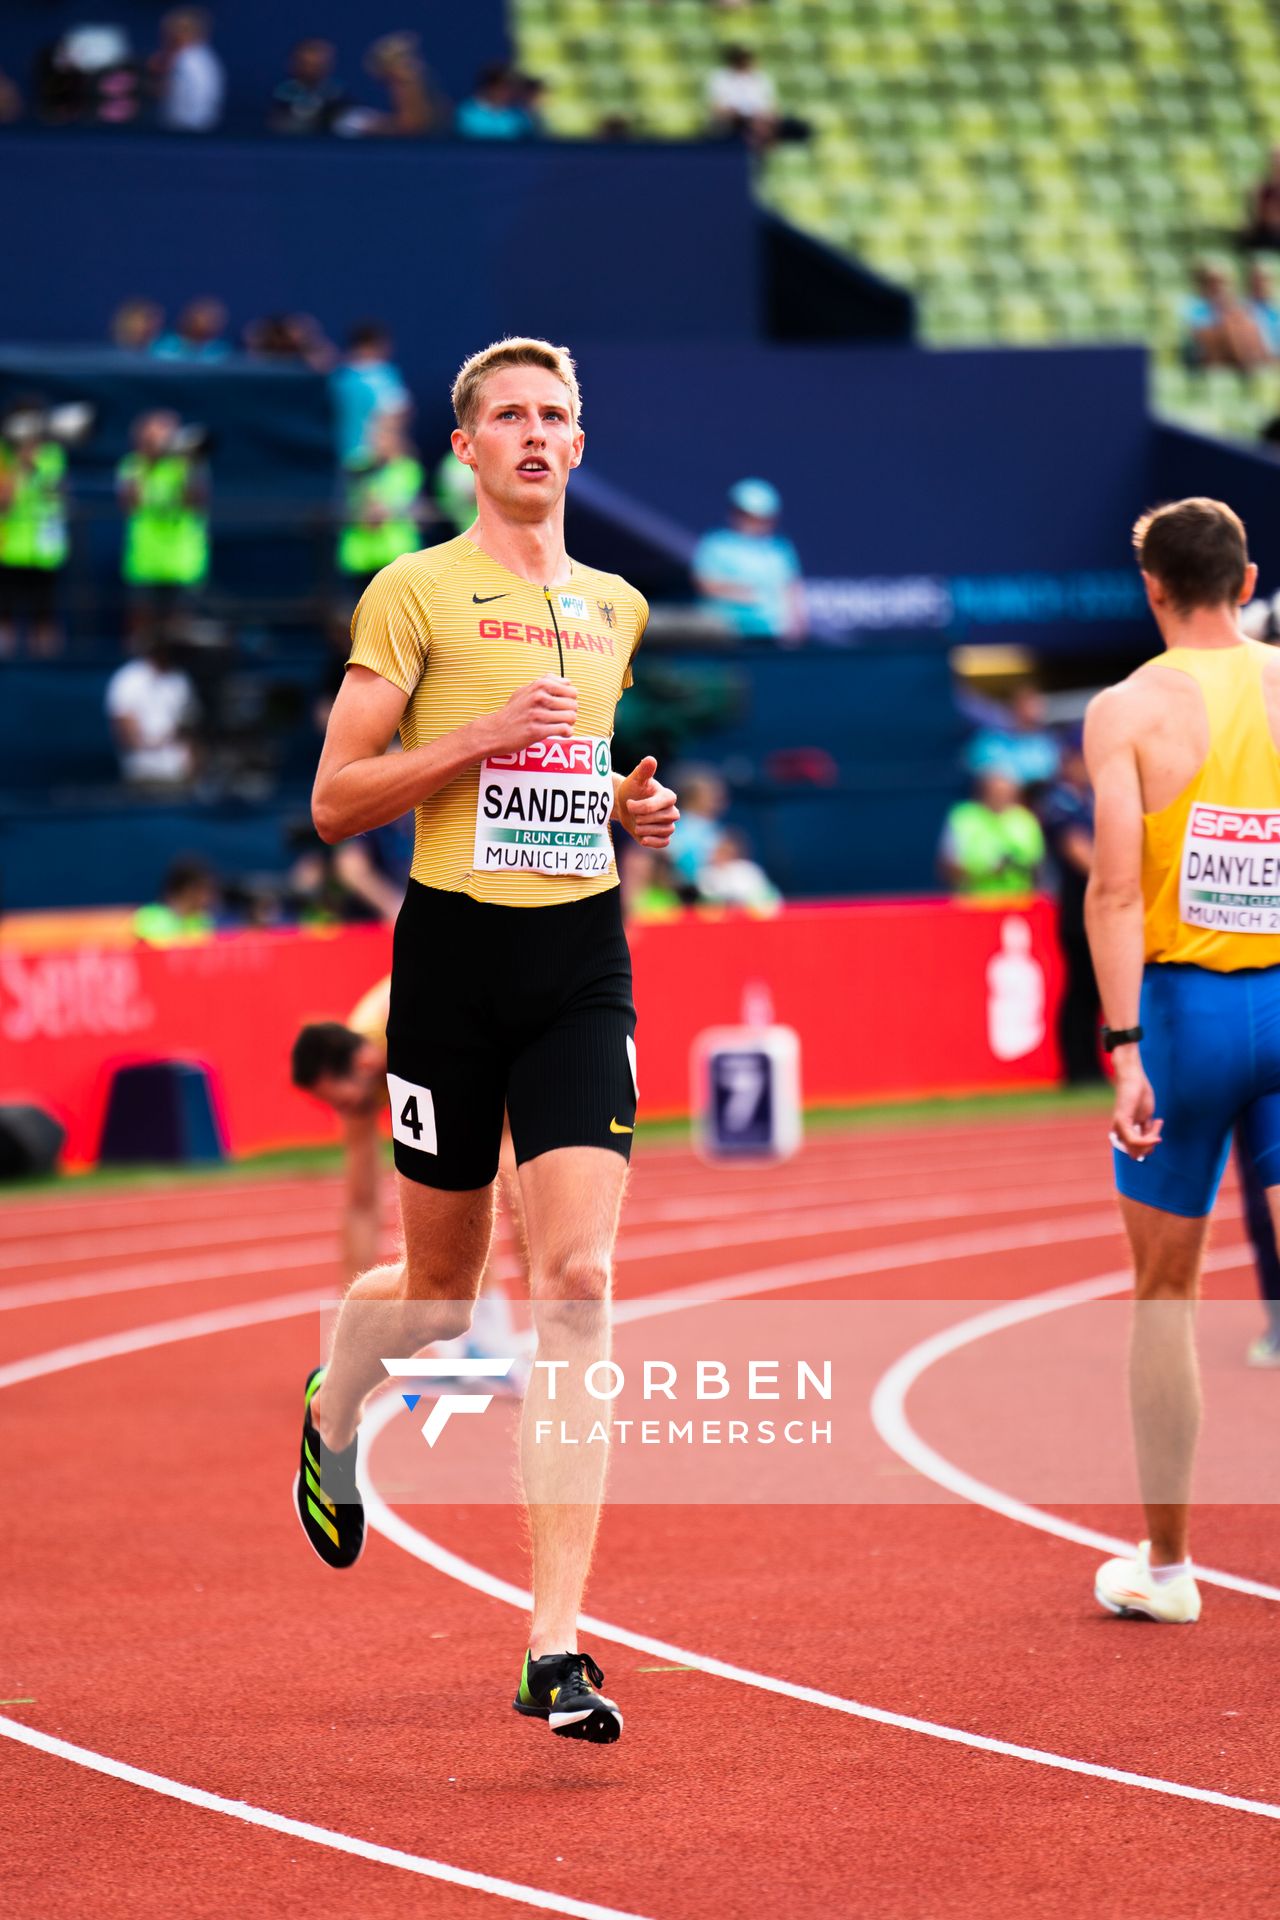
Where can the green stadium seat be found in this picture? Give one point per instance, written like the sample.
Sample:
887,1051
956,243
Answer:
1035,171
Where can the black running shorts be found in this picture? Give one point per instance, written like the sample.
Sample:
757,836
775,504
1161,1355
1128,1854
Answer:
527,1008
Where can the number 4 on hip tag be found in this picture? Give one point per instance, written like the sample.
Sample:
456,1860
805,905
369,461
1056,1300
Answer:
413,1114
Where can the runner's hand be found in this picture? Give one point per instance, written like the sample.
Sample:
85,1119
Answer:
647,809
546,709
1134,1127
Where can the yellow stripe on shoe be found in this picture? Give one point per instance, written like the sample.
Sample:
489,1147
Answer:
319,1491
323,1521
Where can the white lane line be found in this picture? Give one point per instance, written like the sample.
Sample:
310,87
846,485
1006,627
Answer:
889,1412
384,1521
214,1266
268,1256
164,1237
224,1320
304,1829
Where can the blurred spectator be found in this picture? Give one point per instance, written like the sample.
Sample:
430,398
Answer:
1023,746
296,337
703,801
455,491
1263,228
10,101
731,879
163,491
33,529
135,325
152,707
367,383
743,99
90,75
1066,815
747,571
533,94
1218,328
991,844
374,867
615,126
384,501
200,333
186,907
497,109
647,885
310,100
1263,306
188,74
413,108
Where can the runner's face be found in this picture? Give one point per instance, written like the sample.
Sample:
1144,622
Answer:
351,1094
525,444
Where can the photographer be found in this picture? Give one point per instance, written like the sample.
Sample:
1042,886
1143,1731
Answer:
33,525
384,502
163,491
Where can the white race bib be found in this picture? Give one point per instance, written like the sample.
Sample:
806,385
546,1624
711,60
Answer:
1230,879
546,809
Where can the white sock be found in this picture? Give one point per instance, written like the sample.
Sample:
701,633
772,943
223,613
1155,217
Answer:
492,1328
1164,1575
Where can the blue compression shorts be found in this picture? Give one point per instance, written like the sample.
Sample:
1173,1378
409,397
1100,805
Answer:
1211,1050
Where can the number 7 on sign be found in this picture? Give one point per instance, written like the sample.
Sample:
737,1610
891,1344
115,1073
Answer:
743,1079
413,1115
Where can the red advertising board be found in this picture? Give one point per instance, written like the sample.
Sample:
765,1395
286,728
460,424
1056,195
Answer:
890,999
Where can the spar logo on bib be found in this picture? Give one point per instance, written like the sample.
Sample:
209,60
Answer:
1230,877
570,757
546,809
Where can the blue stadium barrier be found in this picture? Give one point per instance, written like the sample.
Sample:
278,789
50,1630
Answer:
161,1110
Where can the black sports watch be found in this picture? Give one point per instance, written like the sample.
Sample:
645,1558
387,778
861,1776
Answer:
1113,1037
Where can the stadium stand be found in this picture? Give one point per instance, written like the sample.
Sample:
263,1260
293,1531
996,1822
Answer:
1033,171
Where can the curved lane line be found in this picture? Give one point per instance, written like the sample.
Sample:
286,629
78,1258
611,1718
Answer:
196,1326
889,1413
390,1524
304,1830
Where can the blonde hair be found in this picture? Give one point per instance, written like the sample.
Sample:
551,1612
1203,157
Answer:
513,352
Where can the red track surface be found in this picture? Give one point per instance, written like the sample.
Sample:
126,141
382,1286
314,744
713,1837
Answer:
161,1609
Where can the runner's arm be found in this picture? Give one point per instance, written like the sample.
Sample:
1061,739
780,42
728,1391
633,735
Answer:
359,784
1113,907
360,1212
1113,902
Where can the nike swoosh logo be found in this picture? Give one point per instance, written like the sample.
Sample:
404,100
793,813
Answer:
482,599
615,1128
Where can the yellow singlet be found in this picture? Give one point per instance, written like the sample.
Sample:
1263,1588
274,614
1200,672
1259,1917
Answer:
459,634
368,1017
1211,858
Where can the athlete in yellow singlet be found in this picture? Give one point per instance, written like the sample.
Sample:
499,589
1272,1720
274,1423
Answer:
500,661
1183,912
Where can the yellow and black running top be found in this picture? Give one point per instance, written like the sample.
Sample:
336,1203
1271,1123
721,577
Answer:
459,634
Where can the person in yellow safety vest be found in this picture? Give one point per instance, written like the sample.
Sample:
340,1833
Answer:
33,533
384,501
162,486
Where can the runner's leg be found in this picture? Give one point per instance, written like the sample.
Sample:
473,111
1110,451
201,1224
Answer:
572,1198
398,1309
1164,1375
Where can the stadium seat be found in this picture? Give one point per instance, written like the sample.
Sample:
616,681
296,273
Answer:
1032,170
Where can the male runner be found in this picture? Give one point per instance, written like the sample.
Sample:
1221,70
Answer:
345,1067
501,661
1183,913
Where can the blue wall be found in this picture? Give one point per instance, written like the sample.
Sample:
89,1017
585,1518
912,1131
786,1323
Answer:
254,42
451,245
1021,470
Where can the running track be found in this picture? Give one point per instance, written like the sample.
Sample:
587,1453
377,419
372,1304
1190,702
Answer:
883,1710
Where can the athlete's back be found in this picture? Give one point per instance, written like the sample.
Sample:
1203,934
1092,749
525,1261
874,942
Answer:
1204,723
